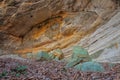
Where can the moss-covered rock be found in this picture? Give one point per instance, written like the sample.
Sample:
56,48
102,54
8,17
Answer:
42,55
91,66
29,55
79,55
56,54
73,62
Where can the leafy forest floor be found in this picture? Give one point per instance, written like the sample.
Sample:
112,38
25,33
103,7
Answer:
16,69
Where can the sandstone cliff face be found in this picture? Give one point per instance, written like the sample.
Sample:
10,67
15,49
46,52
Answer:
34,25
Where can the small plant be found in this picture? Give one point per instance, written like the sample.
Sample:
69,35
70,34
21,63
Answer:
19,70
3,74
18,75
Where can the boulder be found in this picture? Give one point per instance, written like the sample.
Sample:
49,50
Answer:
90,67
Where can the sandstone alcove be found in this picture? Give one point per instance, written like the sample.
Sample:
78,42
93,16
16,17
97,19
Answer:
30,26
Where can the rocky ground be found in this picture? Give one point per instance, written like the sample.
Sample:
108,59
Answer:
16,69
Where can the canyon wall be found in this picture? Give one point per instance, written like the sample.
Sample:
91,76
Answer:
44,25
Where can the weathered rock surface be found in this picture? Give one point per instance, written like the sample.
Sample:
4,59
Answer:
36,25
106,40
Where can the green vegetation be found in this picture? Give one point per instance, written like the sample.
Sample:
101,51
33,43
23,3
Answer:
82,61
42,55
17,71
90,66
3,74
56,54
79,55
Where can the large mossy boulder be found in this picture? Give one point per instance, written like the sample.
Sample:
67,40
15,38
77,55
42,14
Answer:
79,55
90,67
79,52
73,62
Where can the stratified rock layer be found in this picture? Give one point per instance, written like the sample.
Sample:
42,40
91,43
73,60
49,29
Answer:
45,25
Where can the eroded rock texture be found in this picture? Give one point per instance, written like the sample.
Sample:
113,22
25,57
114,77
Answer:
34,25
